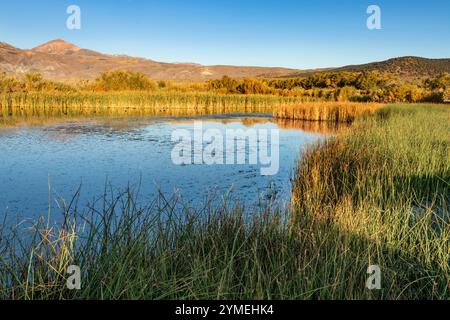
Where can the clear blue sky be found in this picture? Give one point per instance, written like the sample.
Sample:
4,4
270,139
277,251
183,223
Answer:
290,33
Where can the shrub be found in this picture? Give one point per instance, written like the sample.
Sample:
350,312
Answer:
121,80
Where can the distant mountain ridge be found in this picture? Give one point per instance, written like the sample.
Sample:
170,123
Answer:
407,68
61,60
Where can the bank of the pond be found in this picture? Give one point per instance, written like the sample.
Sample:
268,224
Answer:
354,206
15,107
135,103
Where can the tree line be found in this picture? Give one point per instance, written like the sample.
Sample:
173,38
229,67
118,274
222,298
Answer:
367,86
370,86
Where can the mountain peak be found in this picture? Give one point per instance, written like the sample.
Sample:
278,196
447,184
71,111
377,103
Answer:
4,45
57,46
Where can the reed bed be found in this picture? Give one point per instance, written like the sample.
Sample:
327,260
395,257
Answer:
326,111
134,103
17,107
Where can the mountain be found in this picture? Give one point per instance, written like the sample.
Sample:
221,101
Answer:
57,46
60,60
406,68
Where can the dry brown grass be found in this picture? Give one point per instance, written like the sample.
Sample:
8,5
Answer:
326,111
50,105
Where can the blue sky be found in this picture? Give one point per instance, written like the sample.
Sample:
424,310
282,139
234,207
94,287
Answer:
290,33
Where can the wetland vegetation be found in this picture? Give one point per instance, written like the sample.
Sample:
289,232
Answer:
375,194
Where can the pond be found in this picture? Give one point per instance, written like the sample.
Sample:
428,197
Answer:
42,165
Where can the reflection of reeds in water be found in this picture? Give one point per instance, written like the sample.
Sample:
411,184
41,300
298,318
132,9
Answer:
247,121
325,111
118,122
250,122
324,127
37,120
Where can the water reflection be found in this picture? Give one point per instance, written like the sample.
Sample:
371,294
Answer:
123,151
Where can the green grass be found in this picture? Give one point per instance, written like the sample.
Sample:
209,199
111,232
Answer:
384,188
375,195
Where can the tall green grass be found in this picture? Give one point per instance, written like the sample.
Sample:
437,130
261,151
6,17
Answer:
384,188
375,195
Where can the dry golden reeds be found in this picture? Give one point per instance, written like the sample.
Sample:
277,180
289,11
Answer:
23,105
325,111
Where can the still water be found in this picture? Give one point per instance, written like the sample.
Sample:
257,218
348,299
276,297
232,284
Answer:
40,165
